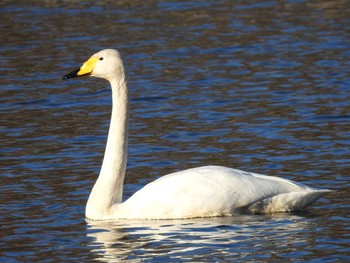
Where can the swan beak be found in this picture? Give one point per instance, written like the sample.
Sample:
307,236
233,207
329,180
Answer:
86,69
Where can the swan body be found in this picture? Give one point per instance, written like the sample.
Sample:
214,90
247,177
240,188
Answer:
215,191
199,192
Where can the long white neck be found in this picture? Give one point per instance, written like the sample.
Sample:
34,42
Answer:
108,189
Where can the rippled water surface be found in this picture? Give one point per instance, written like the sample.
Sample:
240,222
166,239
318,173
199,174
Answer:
262,86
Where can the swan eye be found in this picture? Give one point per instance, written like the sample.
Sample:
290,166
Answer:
101,58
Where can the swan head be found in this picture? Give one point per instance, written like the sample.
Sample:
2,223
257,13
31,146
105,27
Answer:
107,64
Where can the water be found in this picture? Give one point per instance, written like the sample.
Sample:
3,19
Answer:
261,86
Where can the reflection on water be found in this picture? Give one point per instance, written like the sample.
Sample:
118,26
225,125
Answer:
261,86
243,238
200,239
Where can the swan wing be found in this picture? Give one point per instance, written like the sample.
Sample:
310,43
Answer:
211,191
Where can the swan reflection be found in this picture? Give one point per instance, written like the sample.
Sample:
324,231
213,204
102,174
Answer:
197,239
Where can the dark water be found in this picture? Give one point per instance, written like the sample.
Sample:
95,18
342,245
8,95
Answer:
262,86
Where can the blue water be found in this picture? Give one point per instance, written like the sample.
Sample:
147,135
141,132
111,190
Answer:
262,86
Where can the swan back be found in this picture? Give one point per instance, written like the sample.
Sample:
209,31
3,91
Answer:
216,191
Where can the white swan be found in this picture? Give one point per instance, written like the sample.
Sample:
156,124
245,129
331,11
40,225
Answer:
200,192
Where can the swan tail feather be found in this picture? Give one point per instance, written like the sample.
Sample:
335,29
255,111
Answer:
288,202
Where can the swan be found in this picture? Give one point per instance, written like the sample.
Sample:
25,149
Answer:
207,191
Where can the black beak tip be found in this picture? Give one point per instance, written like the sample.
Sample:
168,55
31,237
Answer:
72,74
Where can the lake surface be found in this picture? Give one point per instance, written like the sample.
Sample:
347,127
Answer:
262,86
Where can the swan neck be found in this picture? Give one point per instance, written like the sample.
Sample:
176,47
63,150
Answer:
108,189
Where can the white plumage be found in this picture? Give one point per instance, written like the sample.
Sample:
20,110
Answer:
199,192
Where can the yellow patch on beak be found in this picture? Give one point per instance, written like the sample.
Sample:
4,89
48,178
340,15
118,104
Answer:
87,67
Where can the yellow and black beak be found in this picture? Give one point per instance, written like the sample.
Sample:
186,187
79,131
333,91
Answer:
86,69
